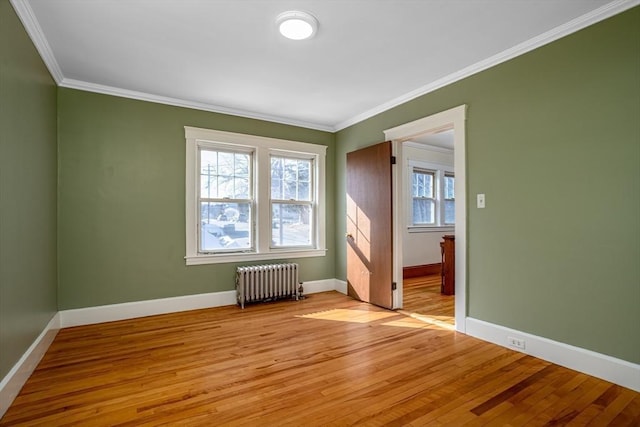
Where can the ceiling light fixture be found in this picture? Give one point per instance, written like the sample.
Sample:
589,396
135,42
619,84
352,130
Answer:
296,25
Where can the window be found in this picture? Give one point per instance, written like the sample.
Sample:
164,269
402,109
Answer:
225,201
424,201
432,196
449,199
252,198
291,202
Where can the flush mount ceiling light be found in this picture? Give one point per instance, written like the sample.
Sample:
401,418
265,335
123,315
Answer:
296,25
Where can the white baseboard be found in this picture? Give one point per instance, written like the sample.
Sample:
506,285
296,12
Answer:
12,383
131,310
599,365
611,369
315,286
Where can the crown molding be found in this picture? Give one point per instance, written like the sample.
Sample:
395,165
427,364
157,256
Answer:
597,15
143,96
31,25
26,15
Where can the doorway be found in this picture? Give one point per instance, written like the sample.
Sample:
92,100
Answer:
450,120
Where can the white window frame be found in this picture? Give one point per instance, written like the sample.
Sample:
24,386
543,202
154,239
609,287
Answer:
439,171
445,199
262,148
210,146
311,203
434,195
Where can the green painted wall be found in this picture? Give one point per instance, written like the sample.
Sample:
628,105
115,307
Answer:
553,140
122,192
28,272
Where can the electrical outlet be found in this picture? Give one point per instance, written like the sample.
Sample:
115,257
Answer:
516,342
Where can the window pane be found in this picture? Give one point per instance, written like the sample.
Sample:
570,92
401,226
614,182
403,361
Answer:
449,189
290,179
241,188
422,184
423,211
225,174
225,226
241,165
449,212
290,170
276,187
290,225
208,174
290,190
304,170
276,177
303,191
225,164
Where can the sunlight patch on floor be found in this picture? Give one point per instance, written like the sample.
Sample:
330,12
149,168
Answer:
408,322
346,315
444,322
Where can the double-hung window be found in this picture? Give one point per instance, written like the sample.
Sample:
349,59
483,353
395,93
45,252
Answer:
291,202
252,198
432,195
225,200
449,198
424,200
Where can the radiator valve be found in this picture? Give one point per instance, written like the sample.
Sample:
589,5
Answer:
300,292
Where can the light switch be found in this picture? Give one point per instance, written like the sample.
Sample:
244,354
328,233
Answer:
480,198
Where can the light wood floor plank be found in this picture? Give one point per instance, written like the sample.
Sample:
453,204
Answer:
327,360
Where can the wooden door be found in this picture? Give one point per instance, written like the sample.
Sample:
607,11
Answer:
370,225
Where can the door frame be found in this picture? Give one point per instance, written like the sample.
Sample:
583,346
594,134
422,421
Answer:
454,118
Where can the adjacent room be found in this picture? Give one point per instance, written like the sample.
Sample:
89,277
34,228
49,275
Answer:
264,212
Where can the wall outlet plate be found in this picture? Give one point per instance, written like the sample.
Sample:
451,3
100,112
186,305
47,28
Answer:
516,342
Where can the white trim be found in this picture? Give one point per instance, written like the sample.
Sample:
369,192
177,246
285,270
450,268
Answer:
132,310
15,379
454,118
262,147
341,286
430,229
599,365
324,285
30,22
577,24
253,256
177,102
427,125
246,140
26,15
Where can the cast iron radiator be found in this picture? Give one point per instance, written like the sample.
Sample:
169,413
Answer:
266,282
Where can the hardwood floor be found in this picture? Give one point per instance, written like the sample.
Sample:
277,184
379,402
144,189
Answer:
422,299
327,360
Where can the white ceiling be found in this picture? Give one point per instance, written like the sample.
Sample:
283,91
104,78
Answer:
442,139
226,55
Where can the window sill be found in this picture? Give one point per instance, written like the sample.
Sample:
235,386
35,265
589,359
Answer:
431,229
253,256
